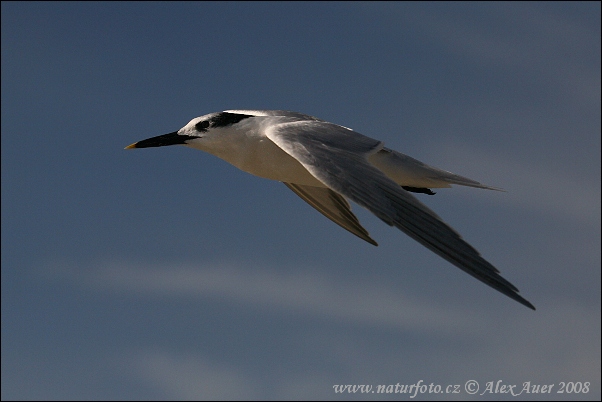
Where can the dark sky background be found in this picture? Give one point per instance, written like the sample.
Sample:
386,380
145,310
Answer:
168,274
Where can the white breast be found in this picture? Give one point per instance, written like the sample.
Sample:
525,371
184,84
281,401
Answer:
253,152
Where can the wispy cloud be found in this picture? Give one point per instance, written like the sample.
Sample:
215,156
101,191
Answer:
304,292
557,343
190,376
519,351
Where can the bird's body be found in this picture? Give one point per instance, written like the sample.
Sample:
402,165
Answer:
325,163
250,150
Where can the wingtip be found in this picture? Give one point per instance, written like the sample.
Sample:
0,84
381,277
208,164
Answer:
497,189
532,307
521,300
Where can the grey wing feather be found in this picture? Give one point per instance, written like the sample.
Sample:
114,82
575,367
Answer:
338,158
283,113
333,206
405,169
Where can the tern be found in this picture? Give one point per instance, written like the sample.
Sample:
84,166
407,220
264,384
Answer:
326,164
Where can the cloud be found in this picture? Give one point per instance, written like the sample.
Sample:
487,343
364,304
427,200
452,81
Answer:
374,335
191,377
543,350
295,290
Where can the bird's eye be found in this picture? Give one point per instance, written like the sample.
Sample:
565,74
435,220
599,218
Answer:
202,125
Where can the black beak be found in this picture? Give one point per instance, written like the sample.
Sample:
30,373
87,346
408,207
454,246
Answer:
161,141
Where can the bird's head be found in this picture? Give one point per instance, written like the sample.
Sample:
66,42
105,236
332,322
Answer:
198,133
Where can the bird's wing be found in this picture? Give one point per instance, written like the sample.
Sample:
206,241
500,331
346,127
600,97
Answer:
333,206
338,157
281,113
405,170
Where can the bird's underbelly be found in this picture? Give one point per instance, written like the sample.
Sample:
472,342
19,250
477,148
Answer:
265,159
283,168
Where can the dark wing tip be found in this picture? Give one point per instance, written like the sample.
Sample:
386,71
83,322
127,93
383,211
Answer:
522,300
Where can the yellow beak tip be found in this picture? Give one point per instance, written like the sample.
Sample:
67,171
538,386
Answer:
131,146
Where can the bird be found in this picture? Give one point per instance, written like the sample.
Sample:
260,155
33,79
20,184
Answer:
327,164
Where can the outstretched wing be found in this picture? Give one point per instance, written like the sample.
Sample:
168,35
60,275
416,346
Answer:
333,206
338,157
407,171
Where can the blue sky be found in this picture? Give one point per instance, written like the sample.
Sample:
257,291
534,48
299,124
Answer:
168,274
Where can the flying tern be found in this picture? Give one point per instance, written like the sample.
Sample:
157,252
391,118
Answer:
325,164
